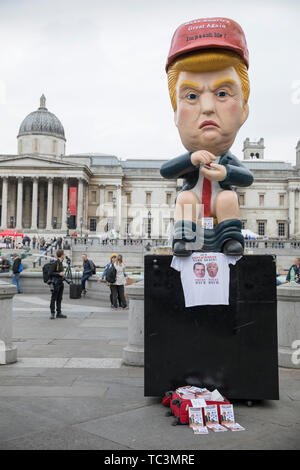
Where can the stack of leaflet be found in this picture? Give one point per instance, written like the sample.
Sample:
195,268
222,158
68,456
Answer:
206,418
191,393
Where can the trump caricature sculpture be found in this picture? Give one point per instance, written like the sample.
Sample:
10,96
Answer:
209,89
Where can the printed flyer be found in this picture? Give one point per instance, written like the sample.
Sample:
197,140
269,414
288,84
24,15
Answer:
211,414
195,417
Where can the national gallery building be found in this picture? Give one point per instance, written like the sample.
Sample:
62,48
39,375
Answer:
43,190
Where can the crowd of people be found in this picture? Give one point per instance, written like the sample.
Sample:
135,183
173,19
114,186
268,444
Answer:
114,273
116,284
36,243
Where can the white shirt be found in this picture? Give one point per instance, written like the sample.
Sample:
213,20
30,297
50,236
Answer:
120,278
205,277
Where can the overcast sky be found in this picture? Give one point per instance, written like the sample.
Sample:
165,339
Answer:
100,64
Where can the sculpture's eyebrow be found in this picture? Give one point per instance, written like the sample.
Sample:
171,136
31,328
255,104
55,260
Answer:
188,83
224,81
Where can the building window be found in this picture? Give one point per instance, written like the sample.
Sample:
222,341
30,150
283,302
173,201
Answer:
20,146
261,199
244,224
93,225
261,227
257,155
148,199
168,198
128,225
110,196
281,229
281,199
110,223
93,197
128,198
54,147
242,199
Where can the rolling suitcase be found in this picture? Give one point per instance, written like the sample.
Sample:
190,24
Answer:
75,287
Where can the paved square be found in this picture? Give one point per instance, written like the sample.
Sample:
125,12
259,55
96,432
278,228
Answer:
69,390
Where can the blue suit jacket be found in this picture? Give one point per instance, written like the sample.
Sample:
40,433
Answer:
181,167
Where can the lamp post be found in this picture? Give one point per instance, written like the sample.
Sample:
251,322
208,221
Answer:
149,224
68,221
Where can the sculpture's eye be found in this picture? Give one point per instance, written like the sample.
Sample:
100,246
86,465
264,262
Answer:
222,94
192,96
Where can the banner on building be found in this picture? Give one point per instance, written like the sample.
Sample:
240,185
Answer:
73,200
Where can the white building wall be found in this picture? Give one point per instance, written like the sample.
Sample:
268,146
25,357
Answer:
41,144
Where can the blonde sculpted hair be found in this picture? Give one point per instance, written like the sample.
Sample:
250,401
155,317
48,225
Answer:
207,61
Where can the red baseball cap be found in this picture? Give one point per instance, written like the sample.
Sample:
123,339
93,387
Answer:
208,33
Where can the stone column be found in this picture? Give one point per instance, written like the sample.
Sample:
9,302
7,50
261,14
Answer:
49,204
4,202
133,353
86,206
79,203
41,211
119,209
8,352
298,230
288,307
19,221
35,186
292,210
101,209
64,204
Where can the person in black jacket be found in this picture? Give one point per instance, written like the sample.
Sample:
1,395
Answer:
88,270
16,272
56,274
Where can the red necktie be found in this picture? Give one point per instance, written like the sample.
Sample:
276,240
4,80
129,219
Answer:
206,196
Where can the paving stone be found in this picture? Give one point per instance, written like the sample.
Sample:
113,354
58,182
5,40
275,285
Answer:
70,390
60,439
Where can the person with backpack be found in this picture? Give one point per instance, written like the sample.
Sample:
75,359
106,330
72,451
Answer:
109,275
118,287
89,269
56,272
17,268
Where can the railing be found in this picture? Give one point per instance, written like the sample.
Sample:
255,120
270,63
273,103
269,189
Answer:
274,244
45,255
118,242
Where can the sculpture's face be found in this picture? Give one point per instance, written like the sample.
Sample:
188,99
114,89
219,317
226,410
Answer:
210,109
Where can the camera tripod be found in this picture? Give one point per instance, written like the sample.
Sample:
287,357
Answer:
68,271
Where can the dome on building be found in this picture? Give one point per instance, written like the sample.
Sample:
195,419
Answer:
42,122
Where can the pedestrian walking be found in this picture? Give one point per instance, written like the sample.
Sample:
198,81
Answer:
113,259
118,287
88,271
17,268
56,274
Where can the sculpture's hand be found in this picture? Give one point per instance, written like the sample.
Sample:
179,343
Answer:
202,156
217,173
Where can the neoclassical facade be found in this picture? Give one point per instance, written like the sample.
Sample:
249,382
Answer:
126,197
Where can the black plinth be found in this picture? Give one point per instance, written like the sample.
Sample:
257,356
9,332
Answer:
232,348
